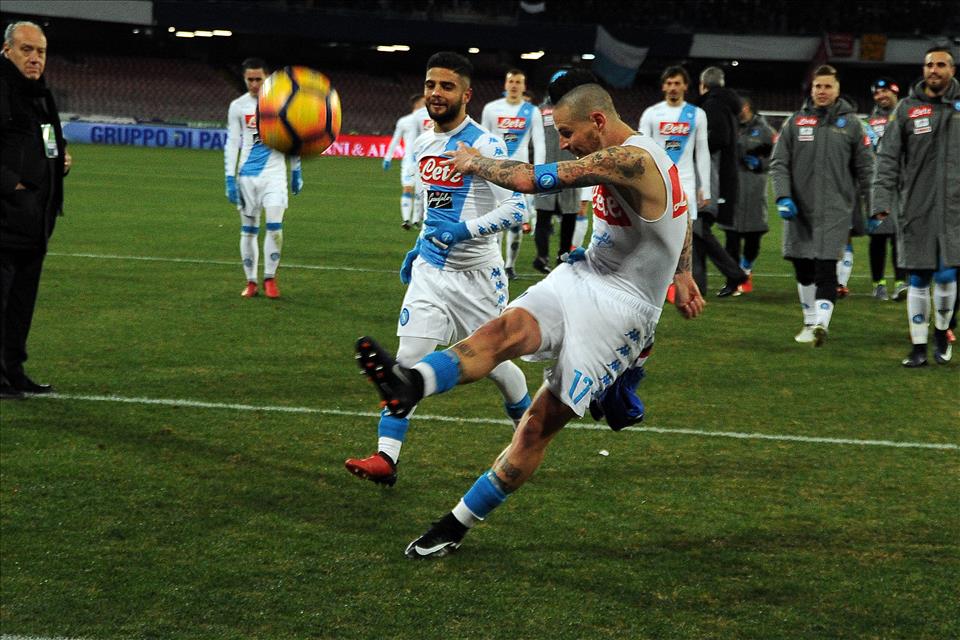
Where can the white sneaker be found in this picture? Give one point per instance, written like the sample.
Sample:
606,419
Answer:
806,335
880,292
819,335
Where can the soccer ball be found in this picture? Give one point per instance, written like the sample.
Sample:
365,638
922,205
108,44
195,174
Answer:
298,112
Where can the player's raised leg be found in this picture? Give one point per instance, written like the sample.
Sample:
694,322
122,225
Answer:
509,336
381,467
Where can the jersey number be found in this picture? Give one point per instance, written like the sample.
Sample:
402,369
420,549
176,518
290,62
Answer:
577,378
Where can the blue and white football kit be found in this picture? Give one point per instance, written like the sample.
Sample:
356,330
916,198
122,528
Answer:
408,129
261,178
597,316
682,132
453,291
517,125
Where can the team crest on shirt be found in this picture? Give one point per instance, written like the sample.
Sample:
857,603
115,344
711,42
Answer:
426,125
250,119
608,208
434,174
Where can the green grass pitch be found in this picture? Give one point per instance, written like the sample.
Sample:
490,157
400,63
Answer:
214,514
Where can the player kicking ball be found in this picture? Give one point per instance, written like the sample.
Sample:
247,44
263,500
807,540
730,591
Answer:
595,315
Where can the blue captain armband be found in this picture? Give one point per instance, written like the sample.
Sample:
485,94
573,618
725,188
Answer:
545,178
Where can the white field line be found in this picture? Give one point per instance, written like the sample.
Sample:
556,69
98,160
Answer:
200,404
312,267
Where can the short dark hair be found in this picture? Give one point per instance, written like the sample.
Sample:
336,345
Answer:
415,98
941,49
254,63
516,72
826,70
572,78
675,70
453,61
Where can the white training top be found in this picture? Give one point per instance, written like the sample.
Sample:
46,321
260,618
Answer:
408,129
256,159
637,256
682,132
451,196
516,124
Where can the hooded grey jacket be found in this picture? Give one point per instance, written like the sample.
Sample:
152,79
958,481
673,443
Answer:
821,159
919,163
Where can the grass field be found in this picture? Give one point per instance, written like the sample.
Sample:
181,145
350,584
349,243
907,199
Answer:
187,480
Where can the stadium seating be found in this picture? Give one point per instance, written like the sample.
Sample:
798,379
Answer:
147,89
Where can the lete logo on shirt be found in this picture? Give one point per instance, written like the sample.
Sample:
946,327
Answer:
608,208
434,174
506,123
674,128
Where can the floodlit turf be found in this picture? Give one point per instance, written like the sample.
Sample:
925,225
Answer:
213,520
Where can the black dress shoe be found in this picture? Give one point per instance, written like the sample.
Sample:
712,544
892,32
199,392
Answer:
26,385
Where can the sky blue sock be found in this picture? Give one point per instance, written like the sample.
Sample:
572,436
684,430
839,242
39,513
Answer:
516,410
446,368
484,496
391,427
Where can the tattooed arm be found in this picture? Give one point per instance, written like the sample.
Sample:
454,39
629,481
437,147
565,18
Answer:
621,166
688,300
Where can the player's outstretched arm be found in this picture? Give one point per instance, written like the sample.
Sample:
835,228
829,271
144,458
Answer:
613,165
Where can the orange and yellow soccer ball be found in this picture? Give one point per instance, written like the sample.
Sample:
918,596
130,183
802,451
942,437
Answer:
298,112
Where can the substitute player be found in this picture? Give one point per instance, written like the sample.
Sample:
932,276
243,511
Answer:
919,165
408,129
256,180
596,315
452,289
517,122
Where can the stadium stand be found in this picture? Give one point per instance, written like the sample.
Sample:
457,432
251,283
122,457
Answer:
146,89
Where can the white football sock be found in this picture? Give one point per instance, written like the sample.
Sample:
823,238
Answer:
463,515
272,241
808,301
390,447
824,313
918,306
510,380
845,267
406,206
944,297
249,249
417,208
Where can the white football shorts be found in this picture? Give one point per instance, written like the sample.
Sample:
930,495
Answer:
594,331
260,192
450,305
